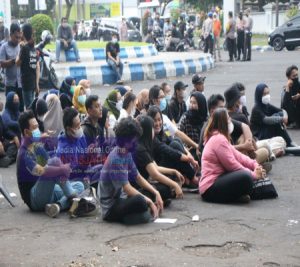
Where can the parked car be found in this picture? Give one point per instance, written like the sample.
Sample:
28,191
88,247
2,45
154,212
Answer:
287,35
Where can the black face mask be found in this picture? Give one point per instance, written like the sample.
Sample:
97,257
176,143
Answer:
11,43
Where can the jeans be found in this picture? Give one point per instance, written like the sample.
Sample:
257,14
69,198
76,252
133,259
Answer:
50,191
247,46
117,69
59,46
217,47
18,91
28,97
131,210
229,187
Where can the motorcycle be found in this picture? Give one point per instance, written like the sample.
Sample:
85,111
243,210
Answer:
48,77
158,39
179,45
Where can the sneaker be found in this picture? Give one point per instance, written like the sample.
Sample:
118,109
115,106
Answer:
73,208
120,82
52,210
244,199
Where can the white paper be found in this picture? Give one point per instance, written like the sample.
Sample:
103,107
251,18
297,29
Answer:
165,220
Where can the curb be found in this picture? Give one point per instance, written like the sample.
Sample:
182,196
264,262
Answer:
95,54
101,73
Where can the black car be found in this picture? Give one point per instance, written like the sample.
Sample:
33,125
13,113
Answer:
287,35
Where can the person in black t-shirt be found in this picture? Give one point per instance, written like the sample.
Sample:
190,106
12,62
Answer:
113,58
30,67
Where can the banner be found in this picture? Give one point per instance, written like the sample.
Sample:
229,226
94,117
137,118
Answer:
115,10
22,2
105,10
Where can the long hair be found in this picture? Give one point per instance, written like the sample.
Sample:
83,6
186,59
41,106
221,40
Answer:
218,122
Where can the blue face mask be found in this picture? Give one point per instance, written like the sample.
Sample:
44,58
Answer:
36,134
163,104
82,99
168,98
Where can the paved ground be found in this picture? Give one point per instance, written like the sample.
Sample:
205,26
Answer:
262,233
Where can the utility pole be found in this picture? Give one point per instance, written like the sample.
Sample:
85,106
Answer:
277,13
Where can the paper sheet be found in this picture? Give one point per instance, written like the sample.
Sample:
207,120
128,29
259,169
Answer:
165,220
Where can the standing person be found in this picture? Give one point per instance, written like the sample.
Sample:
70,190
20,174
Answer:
207,32
30,67
217,28
113,57
150,22
123,31
8,55
167,26
240,35
230,35
65,40
248,36
182,26
4,34
75,30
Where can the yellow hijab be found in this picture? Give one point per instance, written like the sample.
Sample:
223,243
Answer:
80,107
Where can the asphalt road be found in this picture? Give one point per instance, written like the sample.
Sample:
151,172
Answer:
262,233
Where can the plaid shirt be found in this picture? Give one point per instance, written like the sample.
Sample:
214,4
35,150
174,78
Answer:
192,131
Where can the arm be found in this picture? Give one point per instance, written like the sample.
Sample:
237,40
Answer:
3,61
37,90
186,139
20,56
110,57
70,35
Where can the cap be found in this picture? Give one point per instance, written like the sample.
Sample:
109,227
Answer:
180,85
232,95
197,78
210,14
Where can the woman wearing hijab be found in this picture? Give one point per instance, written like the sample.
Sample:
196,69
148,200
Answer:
66,92
192,121
39,109
11,114
79,99
53,118
266,120
114,104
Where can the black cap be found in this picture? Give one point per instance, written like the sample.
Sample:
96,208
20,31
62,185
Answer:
232,95
180,85
197,78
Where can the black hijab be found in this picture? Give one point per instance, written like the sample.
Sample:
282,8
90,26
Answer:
198,117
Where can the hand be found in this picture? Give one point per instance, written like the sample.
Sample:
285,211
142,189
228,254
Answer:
66,168
65,44
259,172
45,135
2,151
198,153
159,202
51,132
37,91
296,97
285,120
248,145
16,141
193,162
178,191
179,176
153,208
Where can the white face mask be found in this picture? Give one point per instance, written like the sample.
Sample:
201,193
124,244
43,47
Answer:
266,99
243,100
119,105
114,40
88,91
230,127
78,133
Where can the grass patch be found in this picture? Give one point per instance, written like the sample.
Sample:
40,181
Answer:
97,44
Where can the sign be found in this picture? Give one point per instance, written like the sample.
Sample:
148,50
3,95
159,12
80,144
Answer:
105,10
22,2
40,5
115,10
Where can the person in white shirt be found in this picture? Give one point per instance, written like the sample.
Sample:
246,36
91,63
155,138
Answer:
207,31
248,36
128,108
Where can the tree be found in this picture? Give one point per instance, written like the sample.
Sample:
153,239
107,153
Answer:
69,4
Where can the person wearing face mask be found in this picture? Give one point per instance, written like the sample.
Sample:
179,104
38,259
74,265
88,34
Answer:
113,57
79,99
198,82
226,175
39,109
65,40
28,61
177,104
8,55
113,103
86,84
167,91
128,108
42,181
66,92
266,120
291,97
123,31
243,98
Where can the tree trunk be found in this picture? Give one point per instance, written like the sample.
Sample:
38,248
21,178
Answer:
69,4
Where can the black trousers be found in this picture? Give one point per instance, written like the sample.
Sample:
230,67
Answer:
132,210
247,46
231,47
229,187
240,43
209,44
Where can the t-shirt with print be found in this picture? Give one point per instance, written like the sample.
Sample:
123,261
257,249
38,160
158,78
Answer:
28,157
118,169
29,58
12,74
169,127
113,48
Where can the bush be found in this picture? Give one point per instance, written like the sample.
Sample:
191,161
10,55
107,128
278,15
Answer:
41,22
293,11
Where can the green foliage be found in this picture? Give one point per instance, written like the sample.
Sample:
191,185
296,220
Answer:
293,11
41,22
175,14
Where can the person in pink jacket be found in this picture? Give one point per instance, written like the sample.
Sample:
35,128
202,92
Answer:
227,175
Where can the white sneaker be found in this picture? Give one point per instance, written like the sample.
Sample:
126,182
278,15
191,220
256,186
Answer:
52,210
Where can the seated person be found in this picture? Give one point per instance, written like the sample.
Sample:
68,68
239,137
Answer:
113,57
86,84
291,97
64,39
11,115
243,99
198,82
147,167
142,101
121,202
266,120
79,98
39,109
66,92
51,91
123,89
43,182
177,105
128,108
227,175
167,91
113,103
